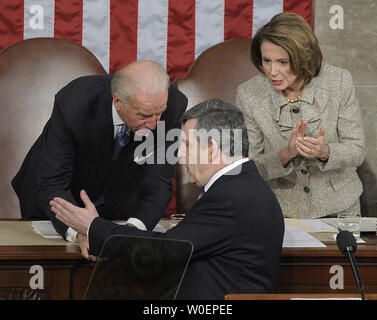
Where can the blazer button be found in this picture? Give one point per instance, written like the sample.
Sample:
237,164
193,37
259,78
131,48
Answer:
296,110
304,172
307,189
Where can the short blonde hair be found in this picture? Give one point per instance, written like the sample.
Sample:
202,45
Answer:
291,32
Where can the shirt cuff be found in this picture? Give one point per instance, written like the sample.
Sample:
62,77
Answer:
70,235
137,223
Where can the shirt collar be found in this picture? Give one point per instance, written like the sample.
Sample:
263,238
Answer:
223,171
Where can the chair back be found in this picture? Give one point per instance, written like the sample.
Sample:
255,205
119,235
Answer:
31,73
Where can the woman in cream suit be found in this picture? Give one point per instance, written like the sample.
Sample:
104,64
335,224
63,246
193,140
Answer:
303,121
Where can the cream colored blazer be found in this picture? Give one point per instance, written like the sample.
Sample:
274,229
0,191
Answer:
307,188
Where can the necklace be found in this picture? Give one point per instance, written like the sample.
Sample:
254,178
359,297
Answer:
293,100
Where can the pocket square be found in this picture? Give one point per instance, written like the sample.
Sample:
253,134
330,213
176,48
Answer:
140,159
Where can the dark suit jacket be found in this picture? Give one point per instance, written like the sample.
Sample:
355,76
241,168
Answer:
74,152
236,229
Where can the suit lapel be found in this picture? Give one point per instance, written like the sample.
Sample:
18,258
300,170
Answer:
124,165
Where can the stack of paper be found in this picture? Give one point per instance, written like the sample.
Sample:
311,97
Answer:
295,237
46,229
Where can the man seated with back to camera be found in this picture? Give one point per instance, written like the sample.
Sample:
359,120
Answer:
236,227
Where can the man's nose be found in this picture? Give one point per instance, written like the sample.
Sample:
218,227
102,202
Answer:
152,122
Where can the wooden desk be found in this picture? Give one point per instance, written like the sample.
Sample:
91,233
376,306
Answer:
307,270
289,296
66,273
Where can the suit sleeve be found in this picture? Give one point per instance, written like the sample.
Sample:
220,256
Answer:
209,228
157,184
56,166
349,150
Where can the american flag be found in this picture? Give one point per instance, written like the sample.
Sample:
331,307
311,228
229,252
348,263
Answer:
117,32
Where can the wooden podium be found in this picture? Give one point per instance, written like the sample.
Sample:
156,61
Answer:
290,296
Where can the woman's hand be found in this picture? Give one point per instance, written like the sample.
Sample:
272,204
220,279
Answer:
290,151
298,132
312,148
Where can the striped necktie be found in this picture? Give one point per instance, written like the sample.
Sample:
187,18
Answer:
121,139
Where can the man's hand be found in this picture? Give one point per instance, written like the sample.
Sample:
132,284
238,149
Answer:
84,246
77,218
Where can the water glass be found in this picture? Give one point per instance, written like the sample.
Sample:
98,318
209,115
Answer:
350,222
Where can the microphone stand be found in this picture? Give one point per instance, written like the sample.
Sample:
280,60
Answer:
355,270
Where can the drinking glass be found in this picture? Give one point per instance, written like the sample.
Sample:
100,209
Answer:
350,222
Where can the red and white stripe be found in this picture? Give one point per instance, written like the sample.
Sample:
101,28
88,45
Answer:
171,32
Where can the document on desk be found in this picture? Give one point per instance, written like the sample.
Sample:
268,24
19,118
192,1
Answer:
47,230
318,225
295,237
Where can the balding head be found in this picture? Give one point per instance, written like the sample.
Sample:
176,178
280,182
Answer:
142,77
140,94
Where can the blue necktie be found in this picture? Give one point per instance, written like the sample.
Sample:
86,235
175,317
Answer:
201,194
121,139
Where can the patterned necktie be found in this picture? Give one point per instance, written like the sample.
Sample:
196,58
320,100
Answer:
121,139
201,194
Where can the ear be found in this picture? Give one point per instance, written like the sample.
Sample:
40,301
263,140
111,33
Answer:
117,102
214,151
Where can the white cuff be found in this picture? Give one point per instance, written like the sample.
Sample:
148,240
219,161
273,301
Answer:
70,235
137,223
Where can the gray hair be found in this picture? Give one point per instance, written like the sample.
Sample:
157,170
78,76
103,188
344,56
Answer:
145,75
222,122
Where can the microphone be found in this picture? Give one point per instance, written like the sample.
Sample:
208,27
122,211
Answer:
347,245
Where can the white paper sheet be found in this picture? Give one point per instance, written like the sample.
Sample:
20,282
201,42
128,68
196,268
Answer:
318,225
46,229
294,237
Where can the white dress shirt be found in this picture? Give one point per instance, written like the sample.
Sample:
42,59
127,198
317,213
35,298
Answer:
223,171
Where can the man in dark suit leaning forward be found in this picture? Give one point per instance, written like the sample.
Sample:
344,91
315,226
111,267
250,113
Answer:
236,227
90,143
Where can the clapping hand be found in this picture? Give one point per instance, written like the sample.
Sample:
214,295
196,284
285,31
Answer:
312,148
298,132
